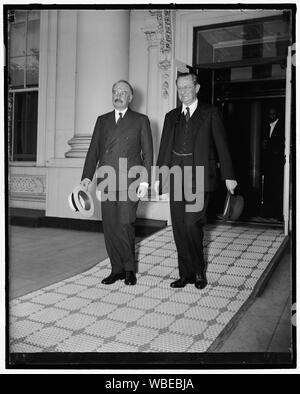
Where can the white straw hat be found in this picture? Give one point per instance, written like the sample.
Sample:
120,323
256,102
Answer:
80,200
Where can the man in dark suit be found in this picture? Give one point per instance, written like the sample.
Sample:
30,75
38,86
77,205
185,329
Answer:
193,135
273,165
120,134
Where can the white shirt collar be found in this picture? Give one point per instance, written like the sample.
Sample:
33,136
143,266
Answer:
117,113
272,127
274,123
192,107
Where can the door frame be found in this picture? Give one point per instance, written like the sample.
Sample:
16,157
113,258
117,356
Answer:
287,212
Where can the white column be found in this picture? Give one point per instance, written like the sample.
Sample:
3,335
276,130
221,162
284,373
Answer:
92,52
66,74
47,86
102,59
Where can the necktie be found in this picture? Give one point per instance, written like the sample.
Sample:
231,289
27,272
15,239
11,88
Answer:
187,114
120,118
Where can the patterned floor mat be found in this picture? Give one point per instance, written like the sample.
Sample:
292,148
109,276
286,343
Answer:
80,314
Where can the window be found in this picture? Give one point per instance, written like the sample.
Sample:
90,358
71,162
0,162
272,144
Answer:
23,64
259,41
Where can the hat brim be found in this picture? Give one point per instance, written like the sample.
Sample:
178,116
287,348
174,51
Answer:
226,209
233,207
72,202
236,207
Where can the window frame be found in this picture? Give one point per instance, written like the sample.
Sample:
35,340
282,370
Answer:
13,90
244,62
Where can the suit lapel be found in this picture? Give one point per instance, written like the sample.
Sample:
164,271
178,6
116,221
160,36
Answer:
114,132
110,128
125,122
176,120
173,124
198,118
275,130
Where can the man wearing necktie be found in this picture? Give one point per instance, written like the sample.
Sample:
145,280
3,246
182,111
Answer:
120,134
273,166
193,136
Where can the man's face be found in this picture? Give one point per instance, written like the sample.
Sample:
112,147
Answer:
187,90
121,96
273,115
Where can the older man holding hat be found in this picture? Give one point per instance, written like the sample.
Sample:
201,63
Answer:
120,134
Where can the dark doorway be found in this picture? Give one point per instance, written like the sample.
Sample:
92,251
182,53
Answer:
247,124
245,108
241,67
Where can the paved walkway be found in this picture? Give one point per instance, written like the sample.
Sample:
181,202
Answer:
43,256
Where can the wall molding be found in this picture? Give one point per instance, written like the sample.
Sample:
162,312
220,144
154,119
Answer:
161,34
28,187
152,36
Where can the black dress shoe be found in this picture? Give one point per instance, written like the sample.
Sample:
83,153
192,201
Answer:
200,281
181,282
112,278
130,278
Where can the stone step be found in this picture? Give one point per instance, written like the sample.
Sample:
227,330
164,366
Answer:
37,218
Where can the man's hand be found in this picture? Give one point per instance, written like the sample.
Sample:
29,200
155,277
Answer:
142,190
85,183
231,184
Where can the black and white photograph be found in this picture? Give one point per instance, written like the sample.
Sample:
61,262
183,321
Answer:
150,187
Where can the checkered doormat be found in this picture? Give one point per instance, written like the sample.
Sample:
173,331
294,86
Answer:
80,314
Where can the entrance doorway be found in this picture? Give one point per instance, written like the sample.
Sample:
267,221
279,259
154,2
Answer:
241,67
247,124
